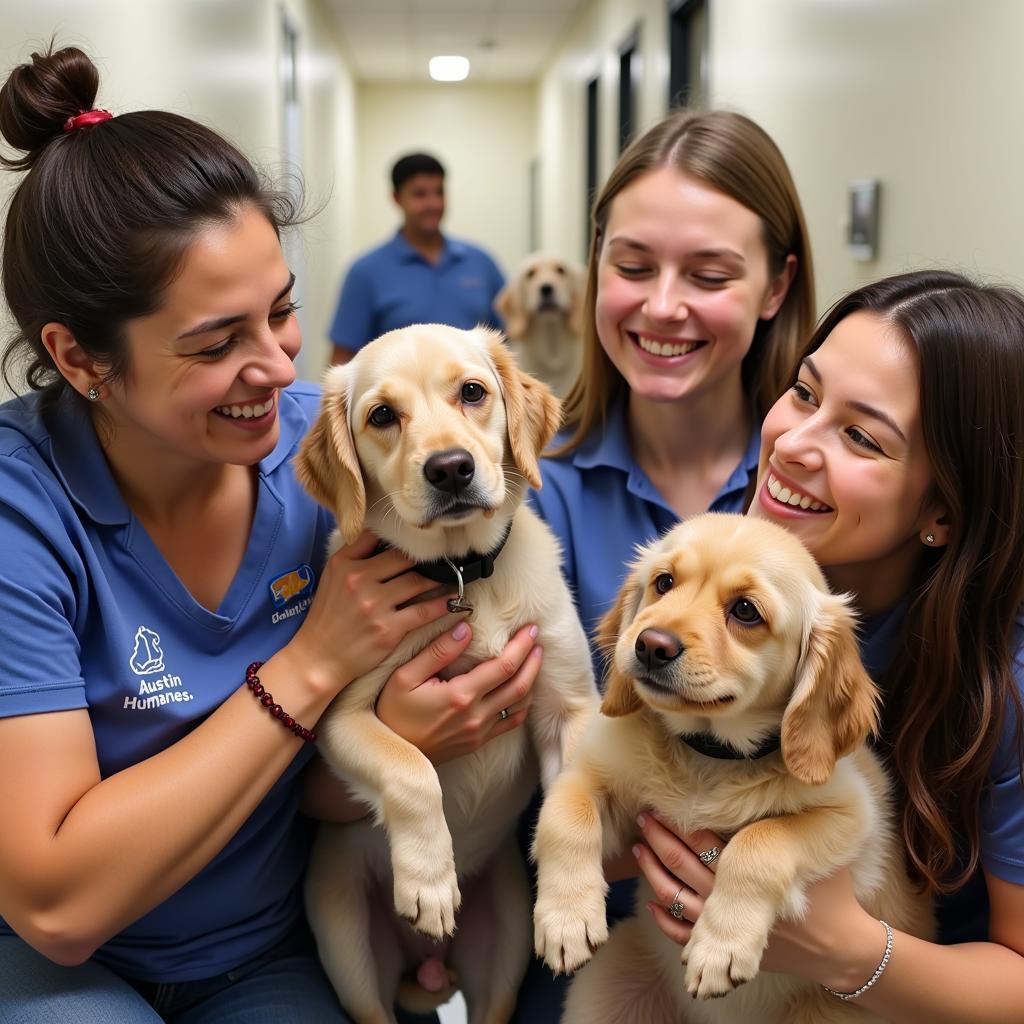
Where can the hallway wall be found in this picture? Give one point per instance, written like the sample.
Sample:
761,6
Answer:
925,95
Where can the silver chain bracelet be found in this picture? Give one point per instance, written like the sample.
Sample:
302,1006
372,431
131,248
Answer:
874,977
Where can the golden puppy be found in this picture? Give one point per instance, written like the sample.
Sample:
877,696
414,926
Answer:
542,306
430,436
724,638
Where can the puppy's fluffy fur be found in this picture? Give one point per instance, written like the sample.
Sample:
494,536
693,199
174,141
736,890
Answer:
724,626
542,306
445,835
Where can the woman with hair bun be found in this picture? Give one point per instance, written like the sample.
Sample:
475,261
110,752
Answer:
164,595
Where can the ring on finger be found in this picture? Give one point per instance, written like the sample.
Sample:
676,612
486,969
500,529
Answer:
677,907
708,857
503,714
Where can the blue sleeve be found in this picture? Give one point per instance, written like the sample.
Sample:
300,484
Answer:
354,320
1002,827
40,604
549,503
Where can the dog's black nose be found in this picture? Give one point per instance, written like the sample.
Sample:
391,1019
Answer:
655,648
547,291
450,470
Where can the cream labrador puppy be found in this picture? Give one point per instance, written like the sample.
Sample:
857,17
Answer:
736,702
542,306
430,436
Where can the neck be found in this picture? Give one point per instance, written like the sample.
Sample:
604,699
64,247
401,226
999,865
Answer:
163,488
696,433
880,583
428,245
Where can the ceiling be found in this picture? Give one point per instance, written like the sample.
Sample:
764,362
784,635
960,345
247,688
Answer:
505,40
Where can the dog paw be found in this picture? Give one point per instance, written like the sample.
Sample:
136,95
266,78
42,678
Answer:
429,905
565,937
716,965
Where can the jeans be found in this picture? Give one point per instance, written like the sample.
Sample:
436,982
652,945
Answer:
285,985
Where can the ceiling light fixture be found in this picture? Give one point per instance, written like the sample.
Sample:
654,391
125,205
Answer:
448,69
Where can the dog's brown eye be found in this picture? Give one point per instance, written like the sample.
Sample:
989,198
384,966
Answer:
664,583
473,392
560,270
745,612
383,416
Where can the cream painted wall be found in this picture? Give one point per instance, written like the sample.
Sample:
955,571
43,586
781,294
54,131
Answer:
925,95
218,61
485,135
592,48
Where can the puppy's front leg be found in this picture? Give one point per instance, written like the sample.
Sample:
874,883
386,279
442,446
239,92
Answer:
401,785
756,873
569,918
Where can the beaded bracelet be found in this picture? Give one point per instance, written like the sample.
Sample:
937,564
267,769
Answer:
267,700
878,970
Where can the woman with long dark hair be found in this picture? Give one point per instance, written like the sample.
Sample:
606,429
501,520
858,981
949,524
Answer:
897,457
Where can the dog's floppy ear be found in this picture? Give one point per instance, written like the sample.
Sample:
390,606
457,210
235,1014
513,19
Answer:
509,306
578,277
326,463
620,697
834,705
533,411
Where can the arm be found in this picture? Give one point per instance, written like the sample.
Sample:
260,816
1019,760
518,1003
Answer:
354,321
82,856
838,944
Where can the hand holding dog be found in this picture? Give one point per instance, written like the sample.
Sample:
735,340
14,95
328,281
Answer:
357,616
448,718
817,948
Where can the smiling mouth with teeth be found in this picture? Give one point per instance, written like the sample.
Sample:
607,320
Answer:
787,496
246,412
666,349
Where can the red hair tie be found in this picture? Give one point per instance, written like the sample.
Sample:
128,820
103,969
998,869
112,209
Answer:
86,118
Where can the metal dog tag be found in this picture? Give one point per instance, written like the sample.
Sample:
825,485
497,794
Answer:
458,604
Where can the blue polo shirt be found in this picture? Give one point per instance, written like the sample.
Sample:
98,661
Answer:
92,617
601,505
394,286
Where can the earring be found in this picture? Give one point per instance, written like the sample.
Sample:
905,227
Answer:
929,538
93,394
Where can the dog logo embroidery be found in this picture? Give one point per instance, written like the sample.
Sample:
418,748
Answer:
297,582
147,656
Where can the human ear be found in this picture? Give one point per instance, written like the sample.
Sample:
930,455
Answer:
935,531
73,363
778,289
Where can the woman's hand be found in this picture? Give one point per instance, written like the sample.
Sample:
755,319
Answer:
828,945
448,718
356,618
676,872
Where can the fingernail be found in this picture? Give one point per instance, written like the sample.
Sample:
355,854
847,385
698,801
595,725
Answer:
537,652
636,851
533,632
641,820
650,908
460,632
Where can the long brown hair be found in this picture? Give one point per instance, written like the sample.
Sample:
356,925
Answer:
732,154
951,686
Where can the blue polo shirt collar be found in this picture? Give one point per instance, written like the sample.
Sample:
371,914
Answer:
82,467
451,250
610,448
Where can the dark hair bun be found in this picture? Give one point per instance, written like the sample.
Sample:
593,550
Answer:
38,98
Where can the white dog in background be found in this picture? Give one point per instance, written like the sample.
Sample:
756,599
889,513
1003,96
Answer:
542,306
430,436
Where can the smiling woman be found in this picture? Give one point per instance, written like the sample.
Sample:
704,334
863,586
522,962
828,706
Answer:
153,544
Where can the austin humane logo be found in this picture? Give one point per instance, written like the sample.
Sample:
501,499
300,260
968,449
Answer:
147,655
290,586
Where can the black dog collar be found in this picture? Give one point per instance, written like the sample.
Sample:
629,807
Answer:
472,567
706,744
